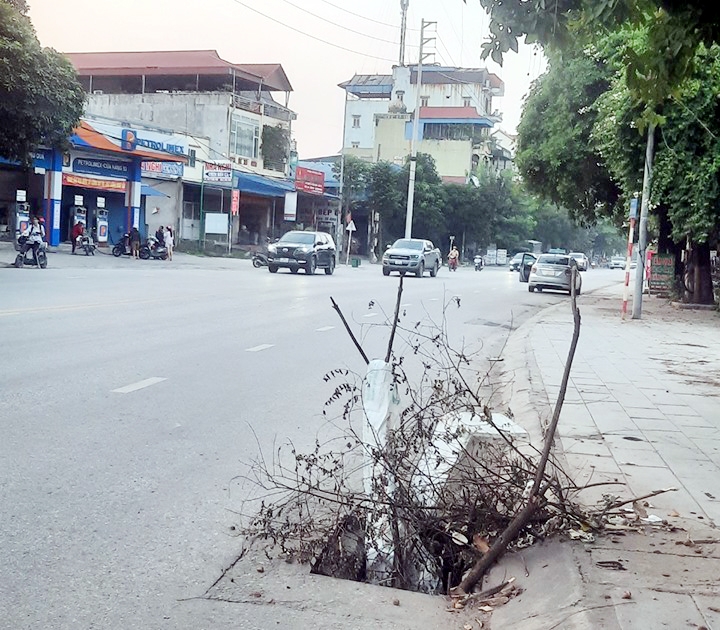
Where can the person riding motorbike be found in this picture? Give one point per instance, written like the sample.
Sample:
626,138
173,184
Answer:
35,235
453,258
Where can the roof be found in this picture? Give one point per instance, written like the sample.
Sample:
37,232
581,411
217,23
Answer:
439,75
176,62
369,85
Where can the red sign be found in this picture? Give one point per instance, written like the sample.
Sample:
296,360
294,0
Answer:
309,181
91,182
235,202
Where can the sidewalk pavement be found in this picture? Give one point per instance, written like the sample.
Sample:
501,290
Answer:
642,412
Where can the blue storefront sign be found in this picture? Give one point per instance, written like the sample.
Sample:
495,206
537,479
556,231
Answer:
102,167
41,158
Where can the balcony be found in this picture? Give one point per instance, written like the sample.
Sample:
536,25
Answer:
278,112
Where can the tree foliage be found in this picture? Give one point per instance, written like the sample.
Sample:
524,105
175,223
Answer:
674,29
41,99
555,155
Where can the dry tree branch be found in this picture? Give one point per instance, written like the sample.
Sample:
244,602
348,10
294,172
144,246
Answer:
349,332
537,492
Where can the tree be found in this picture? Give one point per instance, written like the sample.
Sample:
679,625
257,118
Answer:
675,29
555,156
355,174
275,146
41,99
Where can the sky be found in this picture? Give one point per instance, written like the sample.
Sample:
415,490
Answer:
319,43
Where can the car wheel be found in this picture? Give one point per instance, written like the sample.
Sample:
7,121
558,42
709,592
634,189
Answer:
310,267
272,268
386,271
330,268
434,270
294,269
420,270
531,288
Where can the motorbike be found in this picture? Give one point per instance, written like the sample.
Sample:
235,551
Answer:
479,263
29,257
86,244
123,247
452,264
153,249
259,259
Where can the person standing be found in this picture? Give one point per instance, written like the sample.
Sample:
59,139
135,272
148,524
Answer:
135,242
169,241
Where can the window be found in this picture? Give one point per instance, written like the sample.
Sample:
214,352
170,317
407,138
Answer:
355,145
245,137
400,94
192,156
356,122
424,100
467,101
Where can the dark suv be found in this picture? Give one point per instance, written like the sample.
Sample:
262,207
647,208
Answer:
306,250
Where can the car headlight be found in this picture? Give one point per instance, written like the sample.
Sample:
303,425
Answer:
414,256
304,249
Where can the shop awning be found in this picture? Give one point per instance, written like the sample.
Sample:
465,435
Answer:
149,191
262,186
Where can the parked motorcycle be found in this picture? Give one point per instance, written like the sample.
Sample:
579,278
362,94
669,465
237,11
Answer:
153,249
123,247
479,263
30,256
259,259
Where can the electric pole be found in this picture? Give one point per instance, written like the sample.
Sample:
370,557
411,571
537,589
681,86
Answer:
422,55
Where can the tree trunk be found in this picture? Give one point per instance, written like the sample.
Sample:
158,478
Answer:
703,275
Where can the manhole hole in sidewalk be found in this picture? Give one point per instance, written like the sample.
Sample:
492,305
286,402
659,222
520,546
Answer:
632,438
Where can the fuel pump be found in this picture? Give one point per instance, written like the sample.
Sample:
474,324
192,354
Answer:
101,221
77,213
22,214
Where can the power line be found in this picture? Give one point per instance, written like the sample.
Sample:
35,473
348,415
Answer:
351,30
318,39
336,6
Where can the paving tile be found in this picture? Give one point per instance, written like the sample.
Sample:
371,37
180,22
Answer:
585,447
655,424
628,459
652,607
622,441
581,461
677,410
651,411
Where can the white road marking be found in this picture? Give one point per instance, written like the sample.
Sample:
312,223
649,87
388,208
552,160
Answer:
405,305
433,299
324,329
139,385
262,346
370,315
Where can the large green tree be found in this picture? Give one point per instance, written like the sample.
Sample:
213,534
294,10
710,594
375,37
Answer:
555,155
41,99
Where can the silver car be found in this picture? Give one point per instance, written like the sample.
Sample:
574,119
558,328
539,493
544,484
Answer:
554,271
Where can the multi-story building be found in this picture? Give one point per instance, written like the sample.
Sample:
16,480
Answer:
455,116
230,109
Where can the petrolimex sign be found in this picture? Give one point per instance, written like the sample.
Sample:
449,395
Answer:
132,138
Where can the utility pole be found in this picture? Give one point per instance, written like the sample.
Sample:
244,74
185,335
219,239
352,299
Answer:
416,116
642,230
404,4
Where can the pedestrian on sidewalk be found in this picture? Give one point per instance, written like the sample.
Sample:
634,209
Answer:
135,243
169,241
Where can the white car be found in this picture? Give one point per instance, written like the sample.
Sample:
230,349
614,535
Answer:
617,262
582,261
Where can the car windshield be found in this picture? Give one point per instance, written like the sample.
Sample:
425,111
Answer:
577,255
552,259
304,238
406,243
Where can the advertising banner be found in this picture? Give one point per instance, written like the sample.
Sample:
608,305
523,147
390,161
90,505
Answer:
218,172
162,169
90,182
290,213
309,181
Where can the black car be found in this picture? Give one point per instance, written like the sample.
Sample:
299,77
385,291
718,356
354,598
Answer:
303,250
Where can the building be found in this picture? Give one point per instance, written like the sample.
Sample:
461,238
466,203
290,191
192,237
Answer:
236,117
455,116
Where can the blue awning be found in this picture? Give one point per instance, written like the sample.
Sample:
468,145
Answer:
262,186
149,191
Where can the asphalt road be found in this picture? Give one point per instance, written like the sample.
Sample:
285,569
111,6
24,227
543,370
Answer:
129,390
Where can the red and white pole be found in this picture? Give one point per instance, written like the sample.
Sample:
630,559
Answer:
631,235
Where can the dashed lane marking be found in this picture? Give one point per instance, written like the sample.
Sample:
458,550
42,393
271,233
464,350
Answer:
324,328
370,315
139,385
262,346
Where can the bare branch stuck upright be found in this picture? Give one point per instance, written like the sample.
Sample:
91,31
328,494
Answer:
349,332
